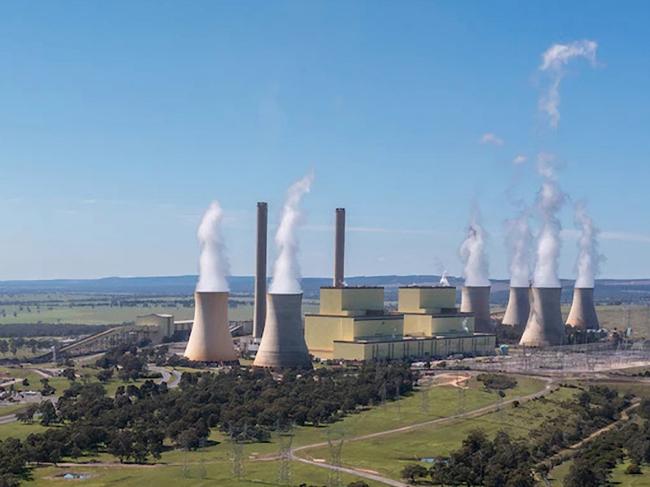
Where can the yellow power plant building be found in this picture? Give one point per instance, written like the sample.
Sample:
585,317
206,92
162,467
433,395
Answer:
353,325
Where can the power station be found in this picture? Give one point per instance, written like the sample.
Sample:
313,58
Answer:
583,312
518,307
354,324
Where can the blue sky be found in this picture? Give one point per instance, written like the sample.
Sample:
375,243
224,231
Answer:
121,121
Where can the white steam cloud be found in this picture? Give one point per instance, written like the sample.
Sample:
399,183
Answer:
554,60
213,263
473,254
286,272
549,201
589,259
444,279
519,240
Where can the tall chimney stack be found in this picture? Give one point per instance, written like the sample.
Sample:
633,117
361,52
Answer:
259,313
339,248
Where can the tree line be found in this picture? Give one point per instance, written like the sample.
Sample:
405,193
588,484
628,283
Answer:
245,404
504,461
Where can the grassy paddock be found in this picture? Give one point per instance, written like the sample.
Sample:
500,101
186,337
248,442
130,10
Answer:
388,455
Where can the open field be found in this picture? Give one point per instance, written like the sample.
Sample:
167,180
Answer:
109,309
215,472
214,465
388,455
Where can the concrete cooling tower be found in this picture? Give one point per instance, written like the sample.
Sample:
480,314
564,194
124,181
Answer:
210,340
544,326
476,299
518,307
583,312
283,342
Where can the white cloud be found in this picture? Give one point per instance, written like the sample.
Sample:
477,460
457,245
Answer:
519,159
554,60
490,138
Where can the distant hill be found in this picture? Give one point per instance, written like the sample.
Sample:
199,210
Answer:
627,290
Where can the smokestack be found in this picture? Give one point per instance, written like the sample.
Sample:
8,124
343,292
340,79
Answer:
518,307
476,299
583,312
339,248
210,340
259,313
283,343
544,326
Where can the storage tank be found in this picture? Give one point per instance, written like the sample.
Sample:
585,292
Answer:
283,342
518,307
544,326
210,339
476,299
583,311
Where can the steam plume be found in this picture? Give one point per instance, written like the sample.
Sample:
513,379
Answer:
286,272
213,263
554,59
549,201
473,254
519,239
588,262
444,279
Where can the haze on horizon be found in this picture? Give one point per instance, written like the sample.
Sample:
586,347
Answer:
121,122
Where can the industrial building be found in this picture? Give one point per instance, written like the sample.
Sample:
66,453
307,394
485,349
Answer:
353,325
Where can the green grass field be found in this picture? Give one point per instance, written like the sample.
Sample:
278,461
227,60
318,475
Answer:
388,455
109,309
212,465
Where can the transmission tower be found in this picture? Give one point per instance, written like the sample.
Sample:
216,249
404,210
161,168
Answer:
237,458
424,400
186,467
335,443
201,473
284,472
398,405
461,399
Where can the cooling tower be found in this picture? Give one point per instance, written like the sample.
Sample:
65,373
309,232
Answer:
583,312
339,248
476,299
544,326
210,340
283,342
518,307
259,311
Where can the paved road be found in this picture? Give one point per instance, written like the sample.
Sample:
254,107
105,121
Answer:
10,418
172,378
440,421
